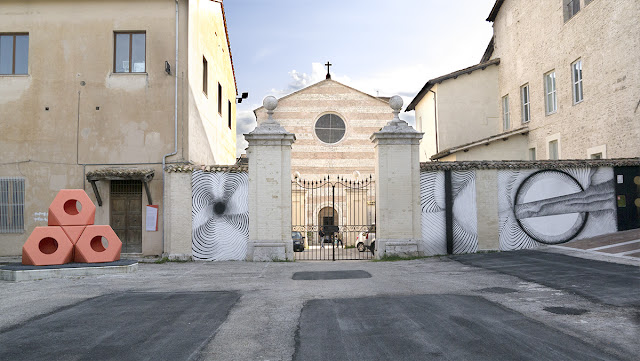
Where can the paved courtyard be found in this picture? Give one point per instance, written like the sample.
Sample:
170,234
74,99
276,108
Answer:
524,305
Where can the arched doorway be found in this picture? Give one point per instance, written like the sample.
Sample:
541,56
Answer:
327,216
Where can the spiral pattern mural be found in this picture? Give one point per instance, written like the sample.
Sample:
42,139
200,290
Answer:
220,215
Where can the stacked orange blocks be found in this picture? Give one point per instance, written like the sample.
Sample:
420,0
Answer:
71,235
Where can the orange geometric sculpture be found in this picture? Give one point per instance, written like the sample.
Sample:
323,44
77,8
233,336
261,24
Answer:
64,211
90,248
47,246
73,232
70,235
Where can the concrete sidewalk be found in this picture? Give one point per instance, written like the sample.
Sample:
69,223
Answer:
613,247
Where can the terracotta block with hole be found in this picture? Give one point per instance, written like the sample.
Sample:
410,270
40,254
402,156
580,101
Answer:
47,246
64,211
73,232
90,248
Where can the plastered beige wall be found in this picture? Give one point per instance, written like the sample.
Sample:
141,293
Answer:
487,209
362,113
531,39
425,123
468,109
71,44
178,224
211,141
513,148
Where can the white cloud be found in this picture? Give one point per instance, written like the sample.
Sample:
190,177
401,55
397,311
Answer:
245,123
302,80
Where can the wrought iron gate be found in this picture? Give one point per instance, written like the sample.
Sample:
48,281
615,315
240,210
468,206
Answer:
344,210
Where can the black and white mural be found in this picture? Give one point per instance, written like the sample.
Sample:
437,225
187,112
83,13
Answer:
220,215
465,221
554,206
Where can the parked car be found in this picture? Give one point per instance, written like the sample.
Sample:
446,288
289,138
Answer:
298,241
366,240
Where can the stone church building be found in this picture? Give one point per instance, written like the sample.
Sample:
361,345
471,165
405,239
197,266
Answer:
333,124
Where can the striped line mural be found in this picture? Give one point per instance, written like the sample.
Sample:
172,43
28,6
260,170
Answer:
465,221
220,215
554,206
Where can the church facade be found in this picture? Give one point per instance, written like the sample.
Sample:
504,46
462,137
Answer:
333,124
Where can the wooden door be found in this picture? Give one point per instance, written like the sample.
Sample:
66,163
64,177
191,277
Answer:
126,214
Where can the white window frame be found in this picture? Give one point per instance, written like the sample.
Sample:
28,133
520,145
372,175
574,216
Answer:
600,149
578,92
551,138
525,100
506,116
550,93
535,153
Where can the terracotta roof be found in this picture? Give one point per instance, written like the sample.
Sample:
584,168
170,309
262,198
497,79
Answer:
226,32
483,141
189,168
494,11
535,164
453,75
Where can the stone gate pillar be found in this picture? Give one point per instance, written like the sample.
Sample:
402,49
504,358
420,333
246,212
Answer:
398,230
269,156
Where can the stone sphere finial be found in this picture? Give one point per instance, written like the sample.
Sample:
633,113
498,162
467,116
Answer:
270,103
396,103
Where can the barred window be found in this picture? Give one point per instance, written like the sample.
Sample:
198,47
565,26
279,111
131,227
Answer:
11,205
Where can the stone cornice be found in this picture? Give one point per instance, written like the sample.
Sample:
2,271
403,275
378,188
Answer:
190,168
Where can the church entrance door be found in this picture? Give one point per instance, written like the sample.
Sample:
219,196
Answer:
333,219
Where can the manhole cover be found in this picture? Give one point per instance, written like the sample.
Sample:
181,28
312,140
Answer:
565,310
500,290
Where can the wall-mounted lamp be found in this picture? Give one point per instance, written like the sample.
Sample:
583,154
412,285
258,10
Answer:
244,96
167,67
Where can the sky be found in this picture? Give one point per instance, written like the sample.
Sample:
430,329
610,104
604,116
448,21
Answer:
380,47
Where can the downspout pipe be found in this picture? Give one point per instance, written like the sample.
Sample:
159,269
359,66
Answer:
175,132
435,118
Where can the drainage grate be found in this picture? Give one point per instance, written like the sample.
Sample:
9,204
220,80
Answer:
566,310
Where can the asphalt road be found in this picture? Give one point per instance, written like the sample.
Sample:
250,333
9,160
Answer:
430,327
604,282
122,326
435,308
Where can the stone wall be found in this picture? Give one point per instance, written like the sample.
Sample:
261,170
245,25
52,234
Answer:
207,212
532,38
509,205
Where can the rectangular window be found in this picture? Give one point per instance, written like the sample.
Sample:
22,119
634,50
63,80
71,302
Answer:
14,54
571,8
553,149
596,156
532,153
130,52
526,105
229,114
576,76
11,205
550,99
219,99
506,121
205,75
